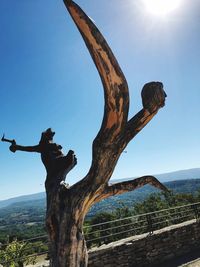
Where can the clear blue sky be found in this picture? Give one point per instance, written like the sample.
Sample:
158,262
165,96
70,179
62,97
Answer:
48,79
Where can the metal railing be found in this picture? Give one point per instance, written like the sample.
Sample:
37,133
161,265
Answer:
103,233
106,232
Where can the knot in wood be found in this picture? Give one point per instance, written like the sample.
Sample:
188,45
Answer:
153,96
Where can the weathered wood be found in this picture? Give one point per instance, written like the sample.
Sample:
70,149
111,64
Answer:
67,206
116,97
130,185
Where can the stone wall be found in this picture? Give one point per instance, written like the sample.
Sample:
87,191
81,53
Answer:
148,250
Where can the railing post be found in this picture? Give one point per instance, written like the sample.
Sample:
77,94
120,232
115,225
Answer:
149,224
196,212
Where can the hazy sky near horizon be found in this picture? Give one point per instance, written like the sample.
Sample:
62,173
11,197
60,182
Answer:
48,79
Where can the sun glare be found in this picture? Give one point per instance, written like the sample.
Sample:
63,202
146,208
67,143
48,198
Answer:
161,7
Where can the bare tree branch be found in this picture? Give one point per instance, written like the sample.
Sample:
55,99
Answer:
115,132
105,149
137,123
153,98
15,147
127,186
51,154
114,83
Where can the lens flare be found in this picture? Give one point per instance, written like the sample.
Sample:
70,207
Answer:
161,7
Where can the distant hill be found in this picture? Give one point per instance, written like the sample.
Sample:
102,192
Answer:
33,211
191,186
166,177
25,218
26,198
171,176
179,175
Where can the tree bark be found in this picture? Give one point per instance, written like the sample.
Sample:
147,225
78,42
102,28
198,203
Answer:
64,223
130,185
67,206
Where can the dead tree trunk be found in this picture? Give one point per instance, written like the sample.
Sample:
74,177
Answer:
67,206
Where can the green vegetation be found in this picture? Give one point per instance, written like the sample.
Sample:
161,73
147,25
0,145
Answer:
137,221
23,220
26,220
162,201
16,254
131,198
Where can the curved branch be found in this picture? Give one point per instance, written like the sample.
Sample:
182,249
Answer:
115,131
137,123
153,98
127,186
114,83
116,95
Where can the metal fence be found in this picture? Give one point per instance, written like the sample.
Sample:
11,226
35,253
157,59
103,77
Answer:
103,233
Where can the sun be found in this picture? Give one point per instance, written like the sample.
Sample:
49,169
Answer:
161,7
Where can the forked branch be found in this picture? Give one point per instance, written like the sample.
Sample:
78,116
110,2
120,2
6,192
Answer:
51,153
116,131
